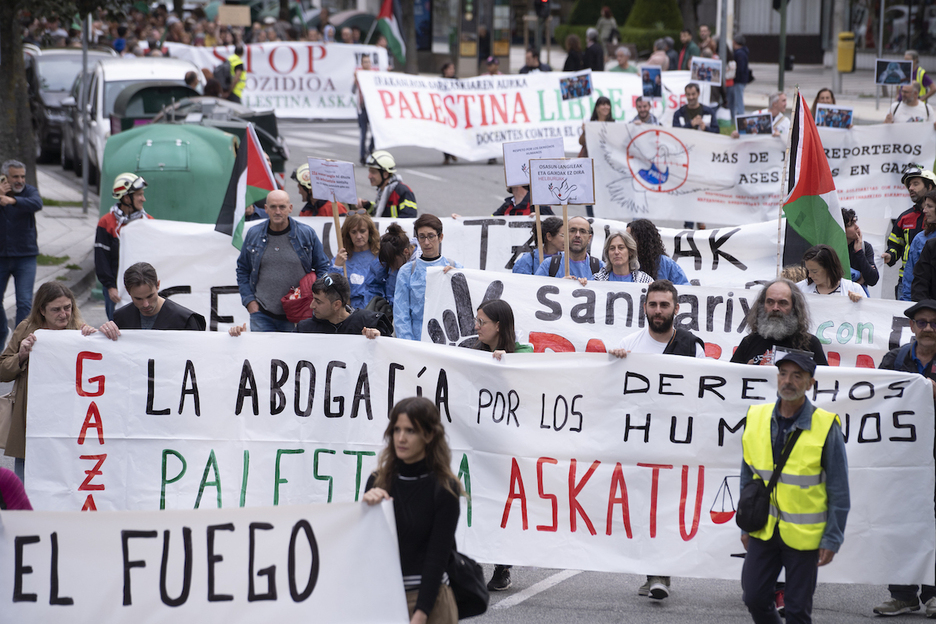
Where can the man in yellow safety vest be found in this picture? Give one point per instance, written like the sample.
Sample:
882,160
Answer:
810,502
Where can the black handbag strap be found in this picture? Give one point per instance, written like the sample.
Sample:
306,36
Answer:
787,449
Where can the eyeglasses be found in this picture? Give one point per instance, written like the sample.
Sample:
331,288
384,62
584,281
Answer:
921,324
427,237
329,282
481,323
575,231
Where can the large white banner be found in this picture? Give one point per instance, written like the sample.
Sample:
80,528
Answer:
296,79
572,460
264,564
561,315
196,265
673,173
471,118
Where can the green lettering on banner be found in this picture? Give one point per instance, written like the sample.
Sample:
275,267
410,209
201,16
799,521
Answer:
820,331
277,480
164,481
464,471
542,107
862,327
211,464
315,472
243,495
357,475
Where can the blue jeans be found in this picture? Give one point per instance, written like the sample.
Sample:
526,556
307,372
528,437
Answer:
109,306
736,100
262,322
23,271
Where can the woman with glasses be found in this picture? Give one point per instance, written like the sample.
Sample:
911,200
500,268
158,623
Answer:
414,471
360,246
825,275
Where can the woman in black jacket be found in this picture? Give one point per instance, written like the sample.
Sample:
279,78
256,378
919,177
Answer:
414,470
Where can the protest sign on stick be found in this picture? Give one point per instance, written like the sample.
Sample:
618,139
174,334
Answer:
517,157
335,178
562,181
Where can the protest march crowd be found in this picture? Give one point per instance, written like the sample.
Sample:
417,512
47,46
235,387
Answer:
794,476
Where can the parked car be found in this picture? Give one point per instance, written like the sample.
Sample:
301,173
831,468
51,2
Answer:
231,117
106,82
49,75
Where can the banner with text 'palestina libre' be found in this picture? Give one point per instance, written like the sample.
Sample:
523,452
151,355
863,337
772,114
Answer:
571,460
472,117
660,172
296,79
561,315
233,565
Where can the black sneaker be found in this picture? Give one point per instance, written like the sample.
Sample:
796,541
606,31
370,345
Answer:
500,581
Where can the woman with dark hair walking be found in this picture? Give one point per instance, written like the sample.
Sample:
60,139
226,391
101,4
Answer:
414,472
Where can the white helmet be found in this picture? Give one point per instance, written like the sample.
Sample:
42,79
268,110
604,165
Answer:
127,184
381,159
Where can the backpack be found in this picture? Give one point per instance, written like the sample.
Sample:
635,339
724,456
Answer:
222,73
556,261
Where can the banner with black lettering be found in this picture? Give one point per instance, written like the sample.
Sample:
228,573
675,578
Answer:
561,315
572,460
296,79
263,564
673,173
472,117
196,265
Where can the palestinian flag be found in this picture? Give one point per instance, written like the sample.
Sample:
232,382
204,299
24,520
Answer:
389,23
811,206
251,180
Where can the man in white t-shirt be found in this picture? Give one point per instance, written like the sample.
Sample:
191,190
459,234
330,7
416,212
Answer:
660,336
910,108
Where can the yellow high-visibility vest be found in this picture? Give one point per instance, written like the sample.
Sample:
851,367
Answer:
238,88
798,504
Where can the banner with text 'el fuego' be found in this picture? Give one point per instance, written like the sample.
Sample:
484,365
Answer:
572,460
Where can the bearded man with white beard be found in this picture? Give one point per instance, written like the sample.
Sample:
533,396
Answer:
778,318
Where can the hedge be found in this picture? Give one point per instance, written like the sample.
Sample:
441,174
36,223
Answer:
655,14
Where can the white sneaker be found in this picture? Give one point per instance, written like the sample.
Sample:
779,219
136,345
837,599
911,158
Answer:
931,608
658,587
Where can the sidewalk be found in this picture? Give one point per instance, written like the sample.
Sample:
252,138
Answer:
63,231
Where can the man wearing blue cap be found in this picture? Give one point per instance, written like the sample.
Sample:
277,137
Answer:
810,501
917,356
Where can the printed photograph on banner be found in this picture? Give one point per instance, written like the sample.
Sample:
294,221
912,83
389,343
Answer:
705,70
652,81
755,124
831,116
517,157
562,181
333,178
577,86
892,72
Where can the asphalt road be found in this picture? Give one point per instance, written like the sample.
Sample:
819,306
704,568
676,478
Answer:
544,596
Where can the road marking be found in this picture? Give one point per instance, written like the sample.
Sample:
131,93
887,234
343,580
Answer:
328,138
538,588
424,175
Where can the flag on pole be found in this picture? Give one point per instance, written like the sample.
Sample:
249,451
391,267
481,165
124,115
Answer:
251,181
389,22
811,206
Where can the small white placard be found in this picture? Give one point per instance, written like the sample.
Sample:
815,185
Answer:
705,70
517,157
562,181
333,176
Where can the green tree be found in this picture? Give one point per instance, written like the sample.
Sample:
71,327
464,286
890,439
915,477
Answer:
655,14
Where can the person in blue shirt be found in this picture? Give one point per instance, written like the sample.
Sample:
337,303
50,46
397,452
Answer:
916,245
395,250
652,254
620,257
409,298
553,243
360,245
581,263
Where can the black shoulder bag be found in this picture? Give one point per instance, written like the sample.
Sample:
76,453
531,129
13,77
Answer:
754,502
466,578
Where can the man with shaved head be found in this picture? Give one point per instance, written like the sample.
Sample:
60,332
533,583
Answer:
275,256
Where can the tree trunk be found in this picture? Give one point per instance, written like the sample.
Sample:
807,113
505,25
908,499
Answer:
691,19
284,11
409,36
17,140
178,6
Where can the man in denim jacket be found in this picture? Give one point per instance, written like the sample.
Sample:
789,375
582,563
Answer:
274,259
